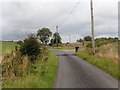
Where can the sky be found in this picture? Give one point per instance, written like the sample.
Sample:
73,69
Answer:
22,17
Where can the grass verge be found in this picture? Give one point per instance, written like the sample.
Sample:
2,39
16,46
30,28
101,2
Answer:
101,62
42,74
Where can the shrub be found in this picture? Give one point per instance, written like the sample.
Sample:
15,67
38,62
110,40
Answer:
89,45
98,44
30,47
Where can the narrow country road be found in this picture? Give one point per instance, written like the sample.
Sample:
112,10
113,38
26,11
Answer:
74,72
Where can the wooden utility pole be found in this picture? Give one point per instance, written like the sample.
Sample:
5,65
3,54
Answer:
92,27
69,39
57,29
56,35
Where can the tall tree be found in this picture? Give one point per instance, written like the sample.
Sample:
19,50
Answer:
51,41
44,34
80,40
57,38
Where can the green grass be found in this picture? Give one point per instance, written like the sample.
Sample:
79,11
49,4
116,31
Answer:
42,75
101,62
4,45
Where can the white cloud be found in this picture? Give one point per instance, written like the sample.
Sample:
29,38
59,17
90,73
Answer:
22,17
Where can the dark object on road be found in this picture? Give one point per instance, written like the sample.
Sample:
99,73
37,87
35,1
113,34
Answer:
76,49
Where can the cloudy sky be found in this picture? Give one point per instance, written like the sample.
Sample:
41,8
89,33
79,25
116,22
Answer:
21,17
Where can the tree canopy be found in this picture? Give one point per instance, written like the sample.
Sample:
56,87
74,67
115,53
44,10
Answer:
44,34
56,39
87,38
80,40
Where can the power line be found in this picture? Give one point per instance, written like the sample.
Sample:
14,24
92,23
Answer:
70,13
67,17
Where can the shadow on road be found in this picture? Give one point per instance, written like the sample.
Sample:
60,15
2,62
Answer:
66,55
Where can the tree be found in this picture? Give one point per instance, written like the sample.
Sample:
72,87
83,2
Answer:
57,38
87,38
110,38
44,34
51,42
80,40
116,38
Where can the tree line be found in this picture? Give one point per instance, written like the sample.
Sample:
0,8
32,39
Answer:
89,38
98,41
44,35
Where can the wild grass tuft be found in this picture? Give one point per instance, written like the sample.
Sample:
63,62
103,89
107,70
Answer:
41,74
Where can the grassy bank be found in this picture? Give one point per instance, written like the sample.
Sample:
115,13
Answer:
0,47
106,58
42,74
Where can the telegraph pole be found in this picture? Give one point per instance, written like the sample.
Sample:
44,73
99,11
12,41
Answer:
92,27
69,39
56,35
57,29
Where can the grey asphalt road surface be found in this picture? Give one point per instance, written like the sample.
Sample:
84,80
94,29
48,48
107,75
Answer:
73,72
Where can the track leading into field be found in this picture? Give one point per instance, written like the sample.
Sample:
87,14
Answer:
74,72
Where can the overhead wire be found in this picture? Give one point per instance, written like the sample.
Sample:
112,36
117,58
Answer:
72,11
69,14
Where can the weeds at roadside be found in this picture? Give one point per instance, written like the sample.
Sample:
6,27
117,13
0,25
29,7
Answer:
41,74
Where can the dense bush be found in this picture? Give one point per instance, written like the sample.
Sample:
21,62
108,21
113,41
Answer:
89,45
87,38
30,47
110,39
102,41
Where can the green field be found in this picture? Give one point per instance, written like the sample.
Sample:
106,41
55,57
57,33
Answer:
5,45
